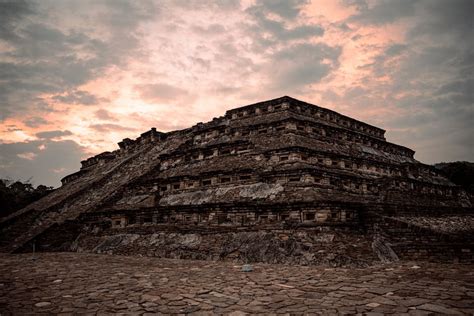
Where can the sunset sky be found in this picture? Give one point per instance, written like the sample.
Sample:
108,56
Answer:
76,77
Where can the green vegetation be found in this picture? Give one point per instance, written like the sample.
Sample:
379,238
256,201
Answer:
459,172
15,195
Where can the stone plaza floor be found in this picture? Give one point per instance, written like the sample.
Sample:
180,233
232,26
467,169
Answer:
72,283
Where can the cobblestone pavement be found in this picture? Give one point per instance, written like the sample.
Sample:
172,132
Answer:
73,283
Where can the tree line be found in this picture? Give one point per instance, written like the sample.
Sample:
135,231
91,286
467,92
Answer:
459,172
15,195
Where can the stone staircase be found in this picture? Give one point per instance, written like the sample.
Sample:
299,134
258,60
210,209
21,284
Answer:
81,196
16,227
411,241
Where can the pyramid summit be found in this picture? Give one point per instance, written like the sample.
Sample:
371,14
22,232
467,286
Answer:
304,182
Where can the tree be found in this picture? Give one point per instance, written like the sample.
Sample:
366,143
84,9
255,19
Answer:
460,173
15,195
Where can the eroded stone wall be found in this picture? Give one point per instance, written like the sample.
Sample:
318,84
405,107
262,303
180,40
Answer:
311,247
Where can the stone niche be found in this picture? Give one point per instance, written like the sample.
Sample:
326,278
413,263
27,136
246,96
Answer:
119,221
322,215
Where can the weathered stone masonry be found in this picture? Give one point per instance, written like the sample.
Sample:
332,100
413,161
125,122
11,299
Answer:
275,165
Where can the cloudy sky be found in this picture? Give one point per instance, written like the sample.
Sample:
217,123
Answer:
78,76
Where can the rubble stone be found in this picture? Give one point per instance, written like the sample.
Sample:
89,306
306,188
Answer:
193,287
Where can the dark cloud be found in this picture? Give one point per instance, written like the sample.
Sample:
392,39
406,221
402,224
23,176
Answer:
435,135
109,127
431,75
44,57
35,121
278,29
44,161
383,11
395,49
10,13
355,92
439,18
201,62
342,26
360,5
52,134
125,16
463,87
105,115
288,9
303,64
11,128
79,97
221,5
434,17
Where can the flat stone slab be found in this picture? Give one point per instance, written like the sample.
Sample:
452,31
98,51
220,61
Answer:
105,284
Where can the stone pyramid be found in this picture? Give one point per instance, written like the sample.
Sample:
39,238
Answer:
277,164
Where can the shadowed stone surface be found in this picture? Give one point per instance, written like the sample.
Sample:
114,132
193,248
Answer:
277,166
87,283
